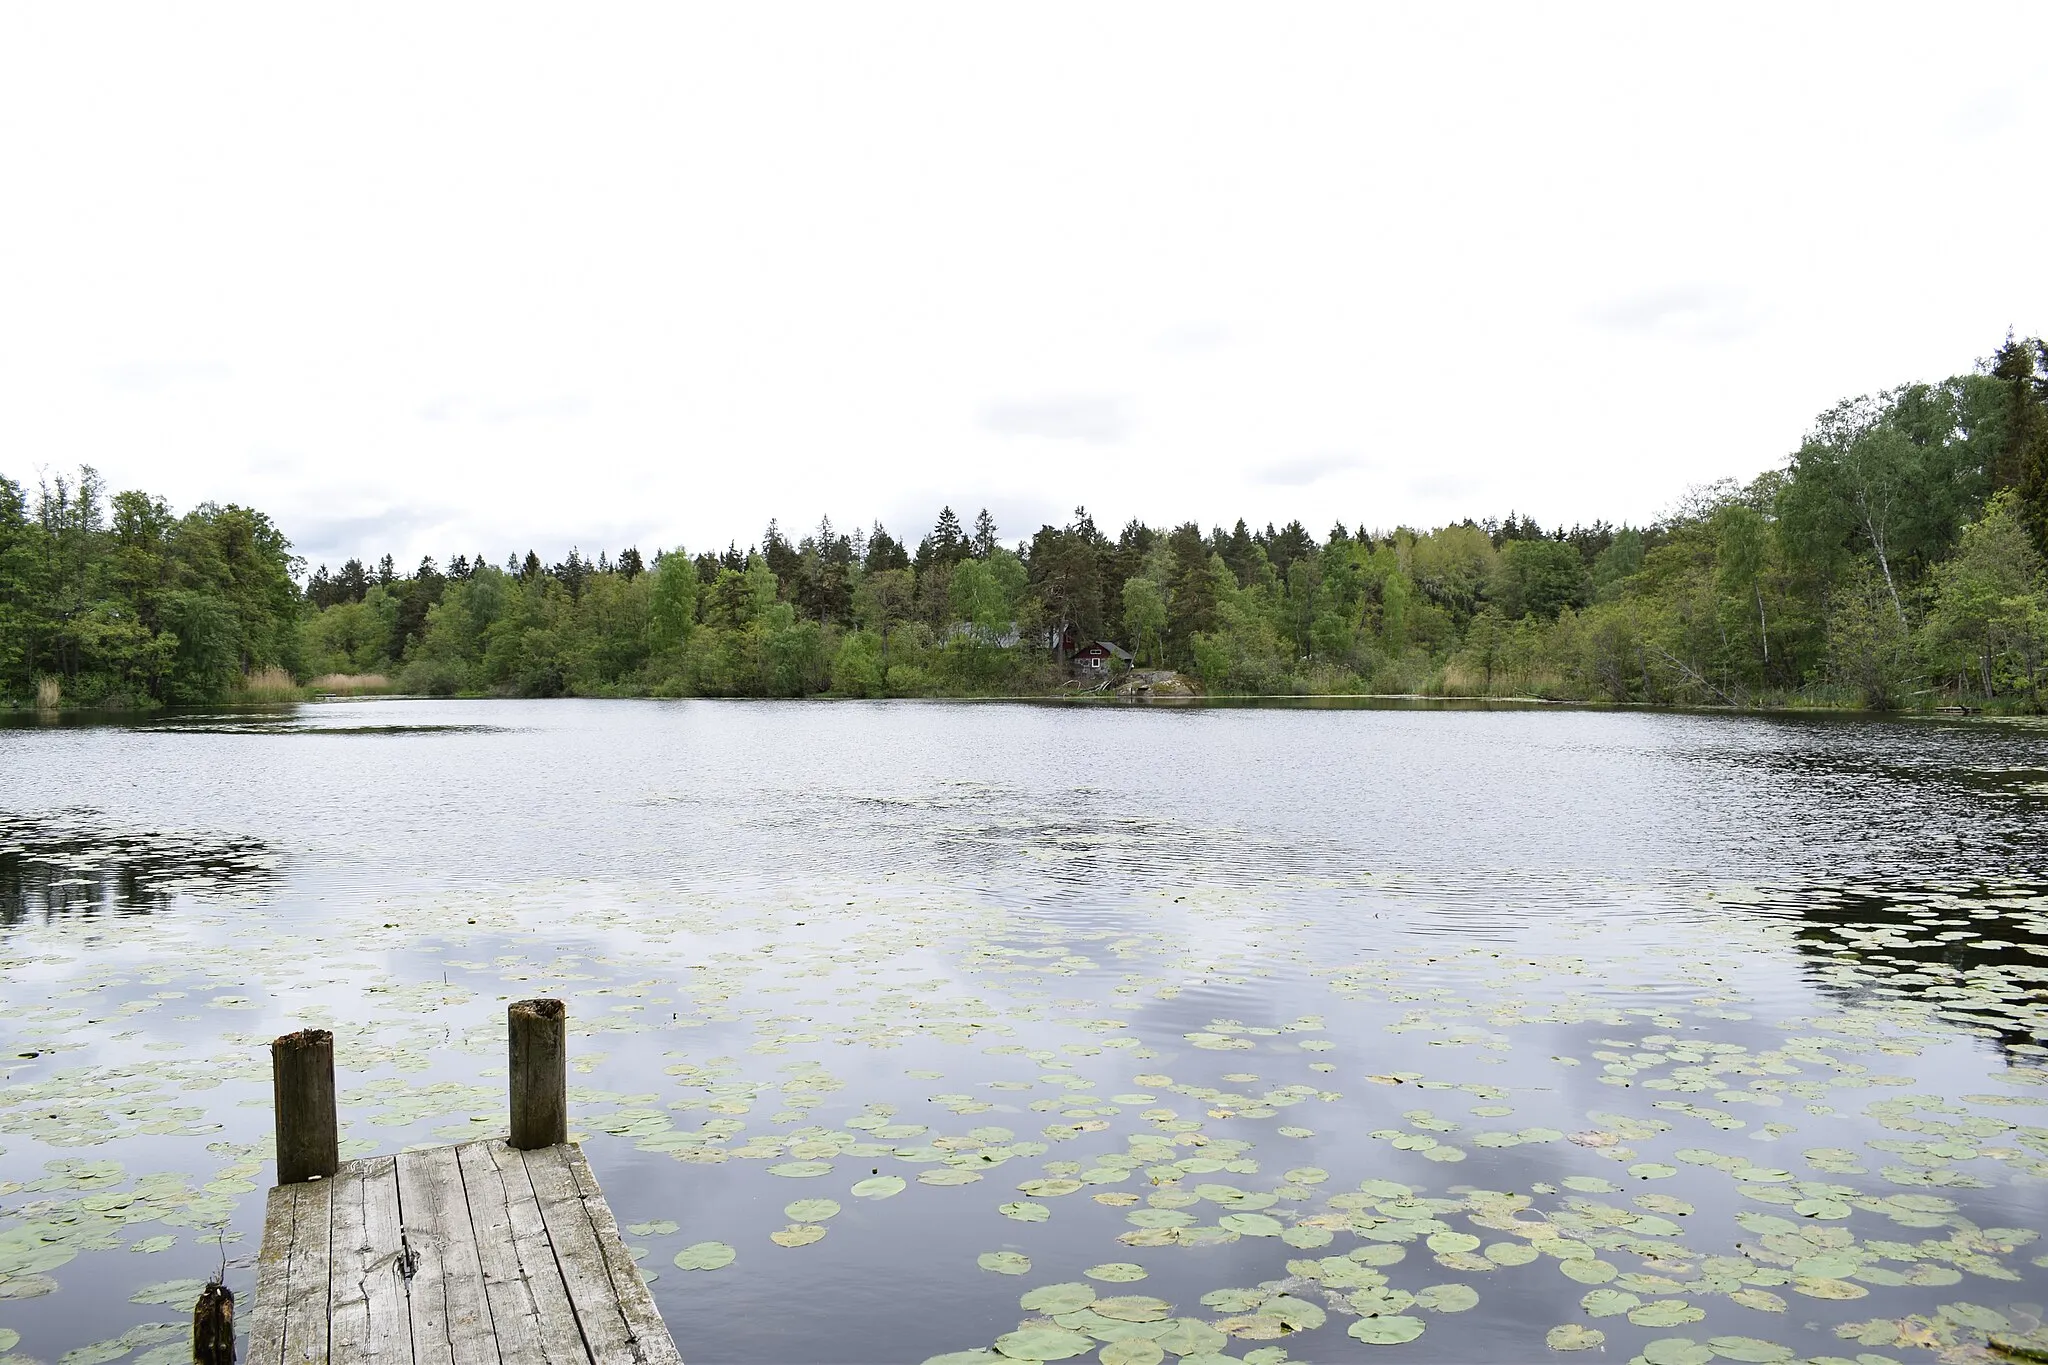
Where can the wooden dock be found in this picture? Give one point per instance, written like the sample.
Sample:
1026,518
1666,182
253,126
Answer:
475,1254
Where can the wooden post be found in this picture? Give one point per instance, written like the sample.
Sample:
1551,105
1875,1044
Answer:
302,1083
536,1035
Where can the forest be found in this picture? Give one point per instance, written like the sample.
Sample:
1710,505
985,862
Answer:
1895,559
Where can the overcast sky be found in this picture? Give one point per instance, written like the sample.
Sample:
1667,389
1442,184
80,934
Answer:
429,278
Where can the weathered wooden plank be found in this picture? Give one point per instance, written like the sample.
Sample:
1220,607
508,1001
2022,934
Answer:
561,1334
367,1318
515,1313
636,1301
451,1322
585,1273
305,1304
273,1278
385,1286
348,1304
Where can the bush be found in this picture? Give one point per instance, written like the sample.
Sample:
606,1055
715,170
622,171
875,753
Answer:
432,678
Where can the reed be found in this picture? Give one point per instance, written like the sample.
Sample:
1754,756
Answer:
270,684
350,684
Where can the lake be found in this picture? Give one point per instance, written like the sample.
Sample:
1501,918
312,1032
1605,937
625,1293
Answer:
911,1030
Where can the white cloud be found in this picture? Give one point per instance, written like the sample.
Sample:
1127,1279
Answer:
658,273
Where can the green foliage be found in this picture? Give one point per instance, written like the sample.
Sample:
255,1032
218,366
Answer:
1896,555
119,602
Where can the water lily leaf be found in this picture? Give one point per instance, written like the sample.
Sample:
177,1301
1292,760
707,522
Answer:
799,1170
1004,1262
797,1235
1118,1272
1976,1316
9,1339
1762,1300
1024,1211
1191,1337
1447,1298
1048,1188
1753,1350
1133,1351
1252,1224
1391,1331
705,1256
1677,1351
1054,1299
878,1187
1665,1313
1133,1308
1298,1315
1573,1337
1511,1253
1043,1343
1820,1288
1608,1303
805,1211
1588,1270
947,1176
181,1293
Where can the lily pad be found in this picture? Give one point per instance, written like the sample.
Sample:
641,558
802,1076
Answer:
879,1187
797,1235
1043,1343
1573,1337
1116,1272
1004,1262
1054,1299
807,1210
1389,1331
705,1256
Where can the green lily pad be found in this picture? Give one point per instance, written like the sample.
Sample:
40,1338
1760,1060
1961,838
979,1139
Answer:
1004,1262
1054,1299
1043,1343
1024,1211
807,1210
1447,1298
1252,1224
1116,1272
705,1256
799,1170
1191,1337
879,1187
1665,1313
797,1235
1608,1303
1133,1351
1677,1351
1753,1350
1389,1331
1573,1337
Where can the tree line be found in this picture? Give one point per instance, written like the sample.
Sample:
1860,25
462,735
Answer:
1895,557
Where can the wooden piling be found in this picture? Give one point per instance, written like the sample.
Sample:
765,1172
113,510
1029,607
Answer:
302,1084
536,1036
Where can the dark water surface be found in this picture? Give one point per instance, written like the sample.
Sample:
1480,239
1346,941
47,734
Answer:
1131,1035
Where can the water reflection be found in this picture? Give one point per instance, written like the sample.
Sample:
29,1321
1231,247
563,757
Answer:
1975,955
57,868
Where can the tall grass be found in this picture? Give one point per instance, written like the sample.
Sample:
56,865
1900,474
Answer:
49,691
350,684
269,685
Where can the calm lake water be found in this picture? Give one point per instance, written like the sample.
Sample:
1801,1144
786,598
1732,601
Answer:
903,1030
